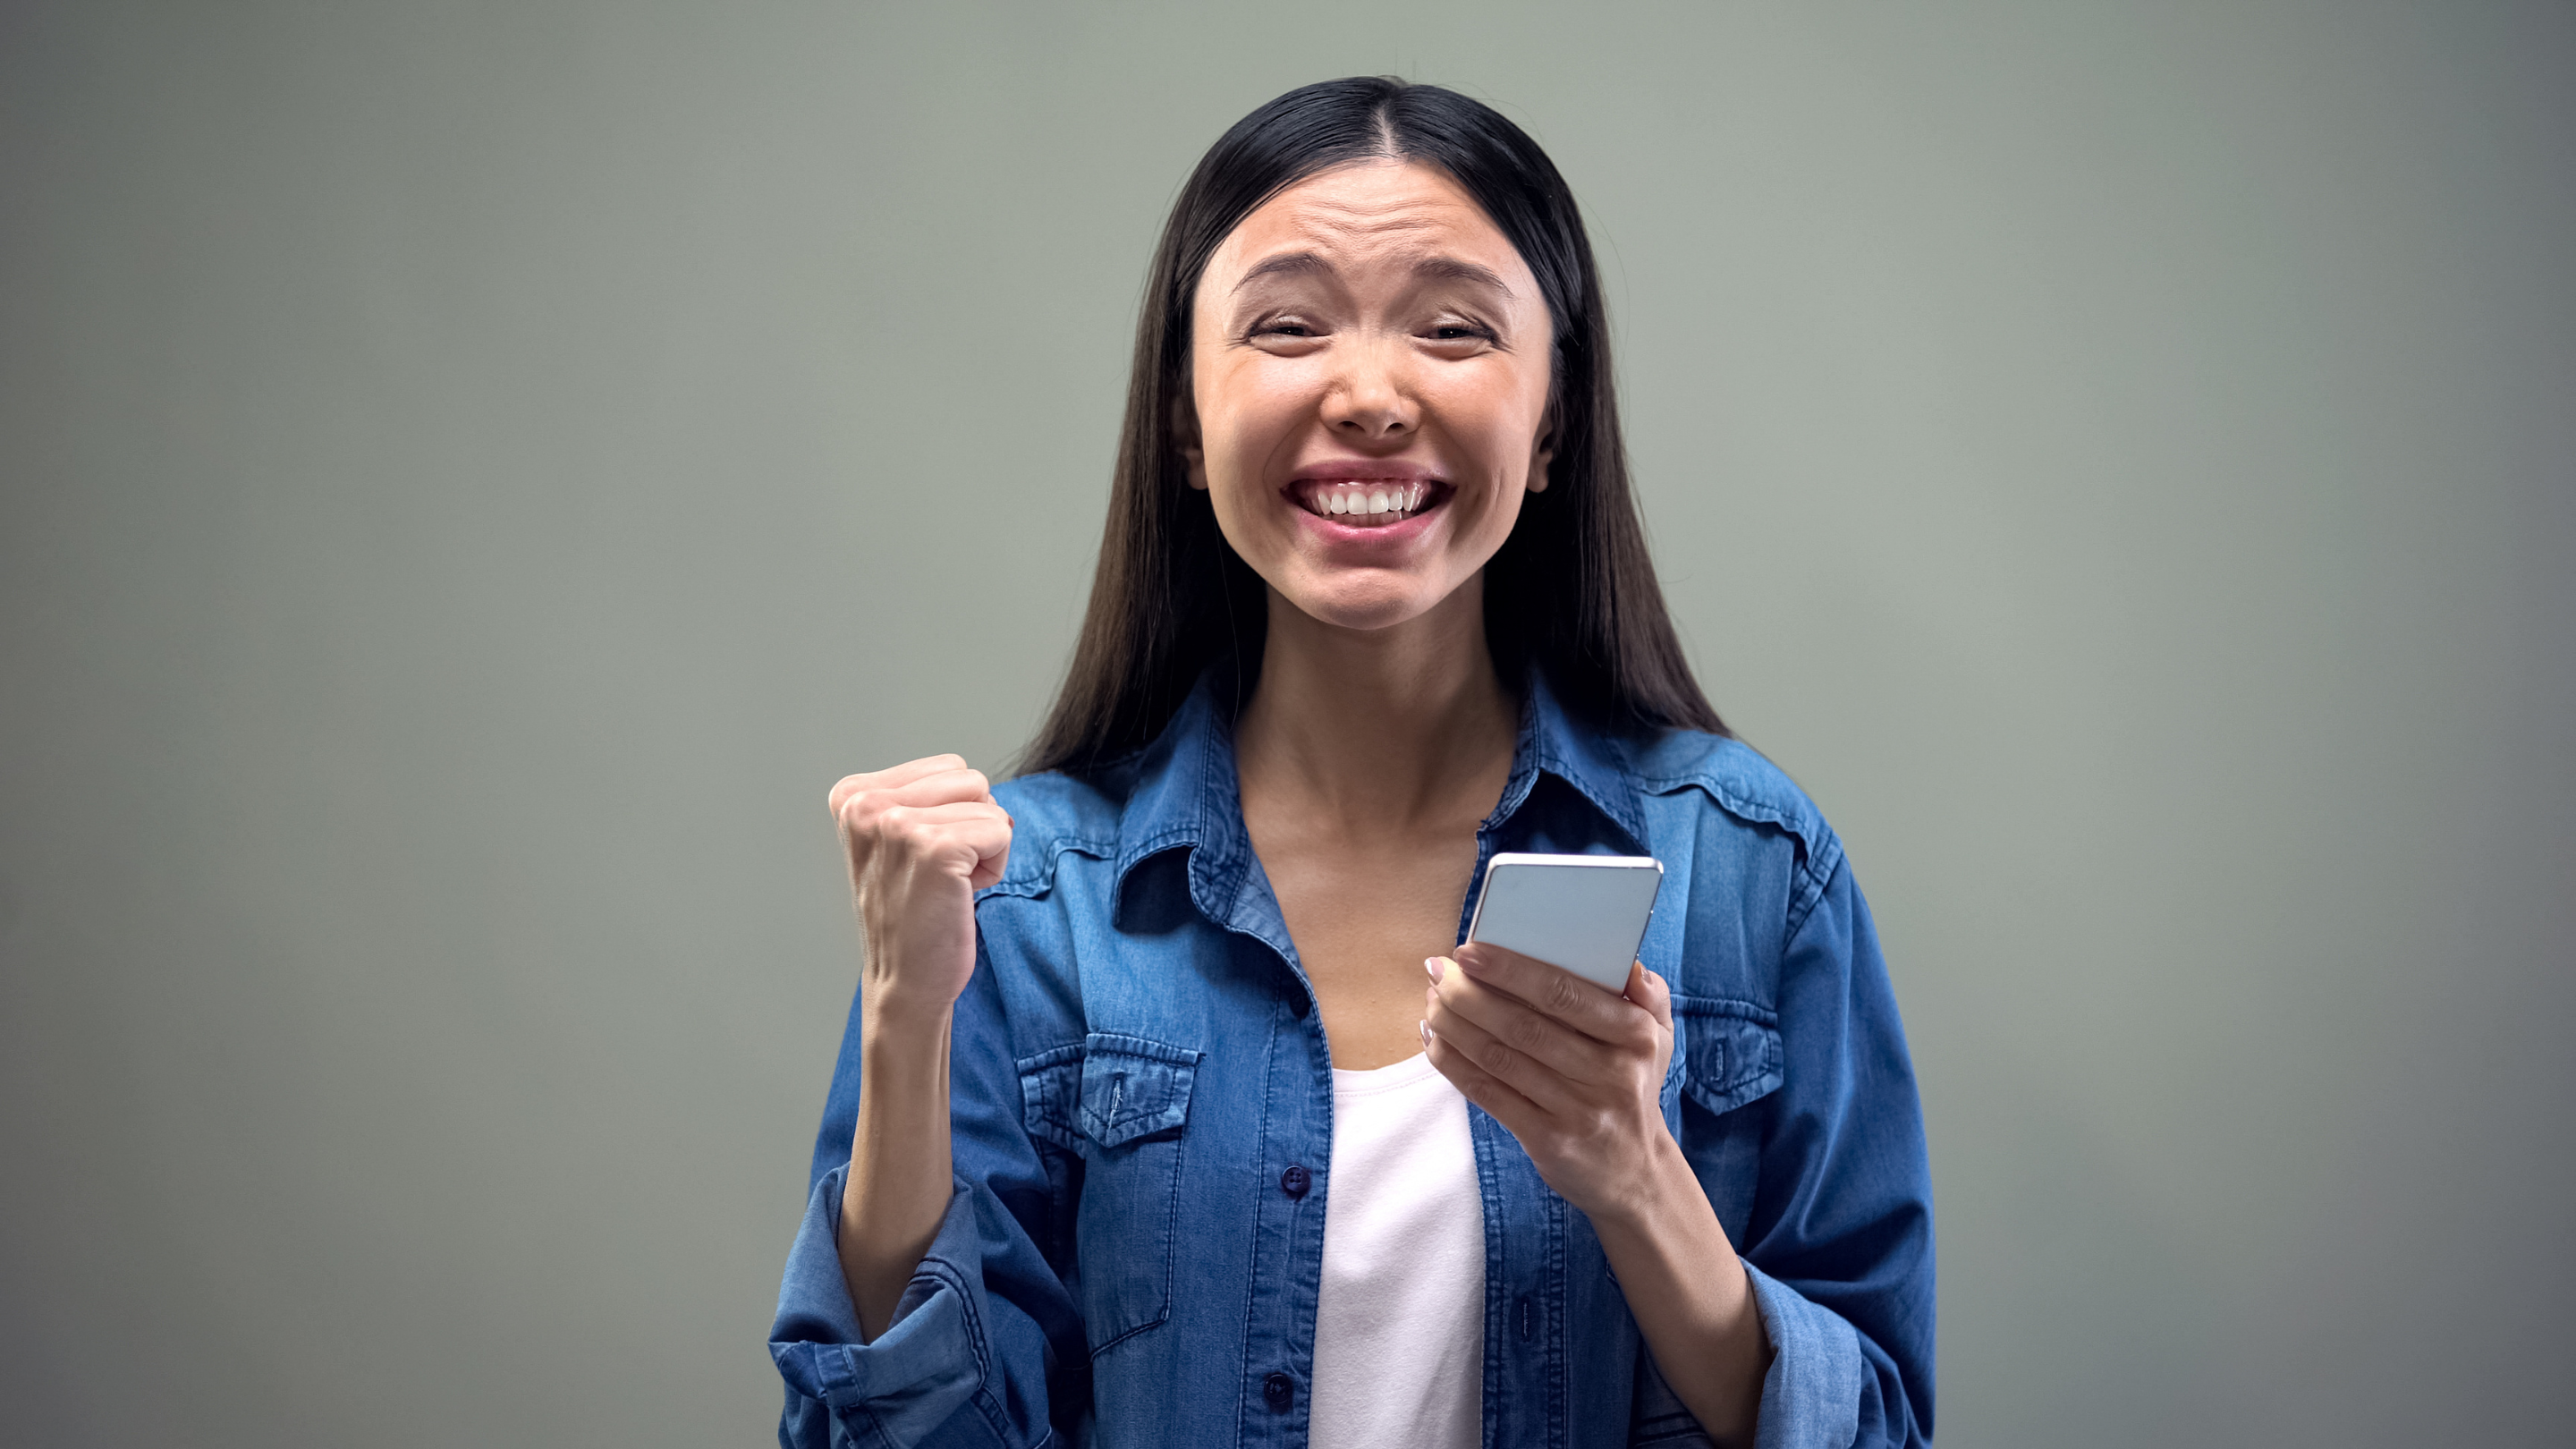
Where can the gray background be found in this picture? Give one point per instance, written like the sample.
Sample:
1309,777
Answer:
474,475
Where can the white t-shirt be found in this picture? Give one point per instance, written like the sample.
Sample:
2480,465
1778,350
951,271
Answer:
1400,1324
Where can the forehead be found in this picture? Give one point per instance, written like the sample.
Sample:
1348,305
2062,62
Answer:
1372,212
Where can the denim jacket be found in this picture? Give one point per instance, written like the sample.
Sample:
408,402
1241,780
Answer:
1143,1119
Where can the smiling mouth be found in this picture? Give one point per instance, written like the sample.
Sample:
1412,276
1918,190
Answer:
1377,503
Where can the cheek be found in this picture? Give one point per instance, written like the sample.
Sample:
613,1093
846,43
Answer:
1219,393
1499,421
1244,421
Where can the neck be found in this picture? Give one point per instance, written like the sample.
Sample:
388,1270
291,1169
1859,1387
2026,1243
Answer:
1378,726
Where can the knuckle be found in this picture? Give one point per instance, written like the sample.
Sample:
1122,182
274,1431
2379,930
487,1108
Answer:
1562,995
1524,1032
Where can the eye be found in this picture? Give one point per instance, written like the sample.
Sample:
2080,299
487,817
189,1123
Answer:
1454,330
1288,327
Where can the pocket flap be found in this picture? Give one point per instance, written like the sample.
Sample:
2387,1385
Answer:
1050,1085
1731,1051
1133,1088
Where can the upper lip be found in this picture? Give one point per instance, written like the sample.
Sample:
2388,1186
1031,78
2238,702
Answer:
1364,470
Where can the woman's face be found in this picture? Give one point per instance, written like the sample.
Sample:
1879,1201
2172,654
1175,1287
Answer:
1370,364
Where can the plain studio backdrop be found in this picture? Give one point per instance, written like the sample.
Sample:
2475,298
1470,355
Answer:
475,475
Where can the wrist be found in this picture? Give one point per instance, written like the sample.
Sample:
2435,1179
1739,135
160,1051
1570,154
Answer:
1663,1188
903,1058
894,1016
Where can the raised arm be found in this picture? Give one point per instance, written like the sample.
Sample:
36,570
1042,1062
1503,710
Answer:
920,838
918,1307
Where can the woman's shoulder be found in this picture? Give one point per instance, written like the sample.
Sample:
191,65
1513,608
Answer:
1757,852
1725,776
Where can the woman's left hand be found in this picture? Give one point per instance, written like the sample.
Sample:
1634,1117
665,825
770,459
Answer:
1575,1072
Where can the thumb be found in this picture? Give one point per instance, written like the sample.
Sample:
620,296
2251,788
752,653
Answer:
1648,990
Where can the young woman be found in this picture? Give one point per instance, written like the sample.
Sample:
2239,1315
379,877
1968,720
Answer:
1170,1110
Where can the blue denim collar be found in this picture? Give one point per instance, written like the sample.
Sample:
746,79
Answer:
1186,795
1593,761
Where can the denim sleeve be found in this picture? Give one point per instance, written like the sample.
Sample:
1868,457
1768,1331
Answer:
986,1346
1840,1240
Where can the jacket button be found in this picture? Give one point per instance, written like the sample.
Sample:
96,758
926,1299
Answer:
1280,1392
1294,1182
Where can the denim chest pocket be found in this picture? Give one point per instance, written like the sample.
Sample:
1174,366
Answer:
1120,1102
1731,1051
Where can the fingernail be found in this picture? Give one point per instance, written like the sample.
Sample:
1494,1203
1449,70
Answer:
1426,1036
1432,965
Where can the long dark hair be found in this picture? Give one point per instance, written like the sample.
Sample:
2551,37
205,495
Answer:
1571,590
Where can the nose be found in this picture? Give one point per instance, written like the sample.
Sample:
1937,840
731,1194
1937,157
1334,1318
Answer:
1369,401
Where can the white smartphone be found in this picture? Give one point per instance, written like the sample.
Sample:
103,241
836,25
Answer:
1586,913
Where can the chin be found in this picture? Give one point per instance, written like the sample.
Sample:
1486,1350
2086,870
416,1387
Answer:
1365,604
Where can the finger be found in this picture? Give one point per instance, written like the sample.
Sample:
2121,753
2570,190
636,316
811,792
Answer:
911,769
970,838
946,787
1516,1112
899,818
903,774
939,787
1512,1022
1545,1087
1552,991
1652,992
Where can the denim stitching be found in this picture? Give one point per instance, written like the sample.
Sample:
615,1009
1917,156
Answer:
1039,878
1819,875
1252,1281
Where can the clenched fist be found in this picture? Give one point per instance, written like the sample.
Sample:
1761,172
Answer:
921,839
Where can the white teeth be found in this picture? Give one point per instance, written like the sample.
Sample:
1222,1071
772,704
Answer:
1366,500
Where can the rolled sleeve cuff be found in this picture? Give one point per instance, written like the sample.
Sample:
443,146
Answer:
1811,1396
900,1388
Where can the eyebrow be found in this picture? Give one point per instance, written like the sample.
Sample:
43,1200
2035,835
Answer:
1452,269
1300,264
